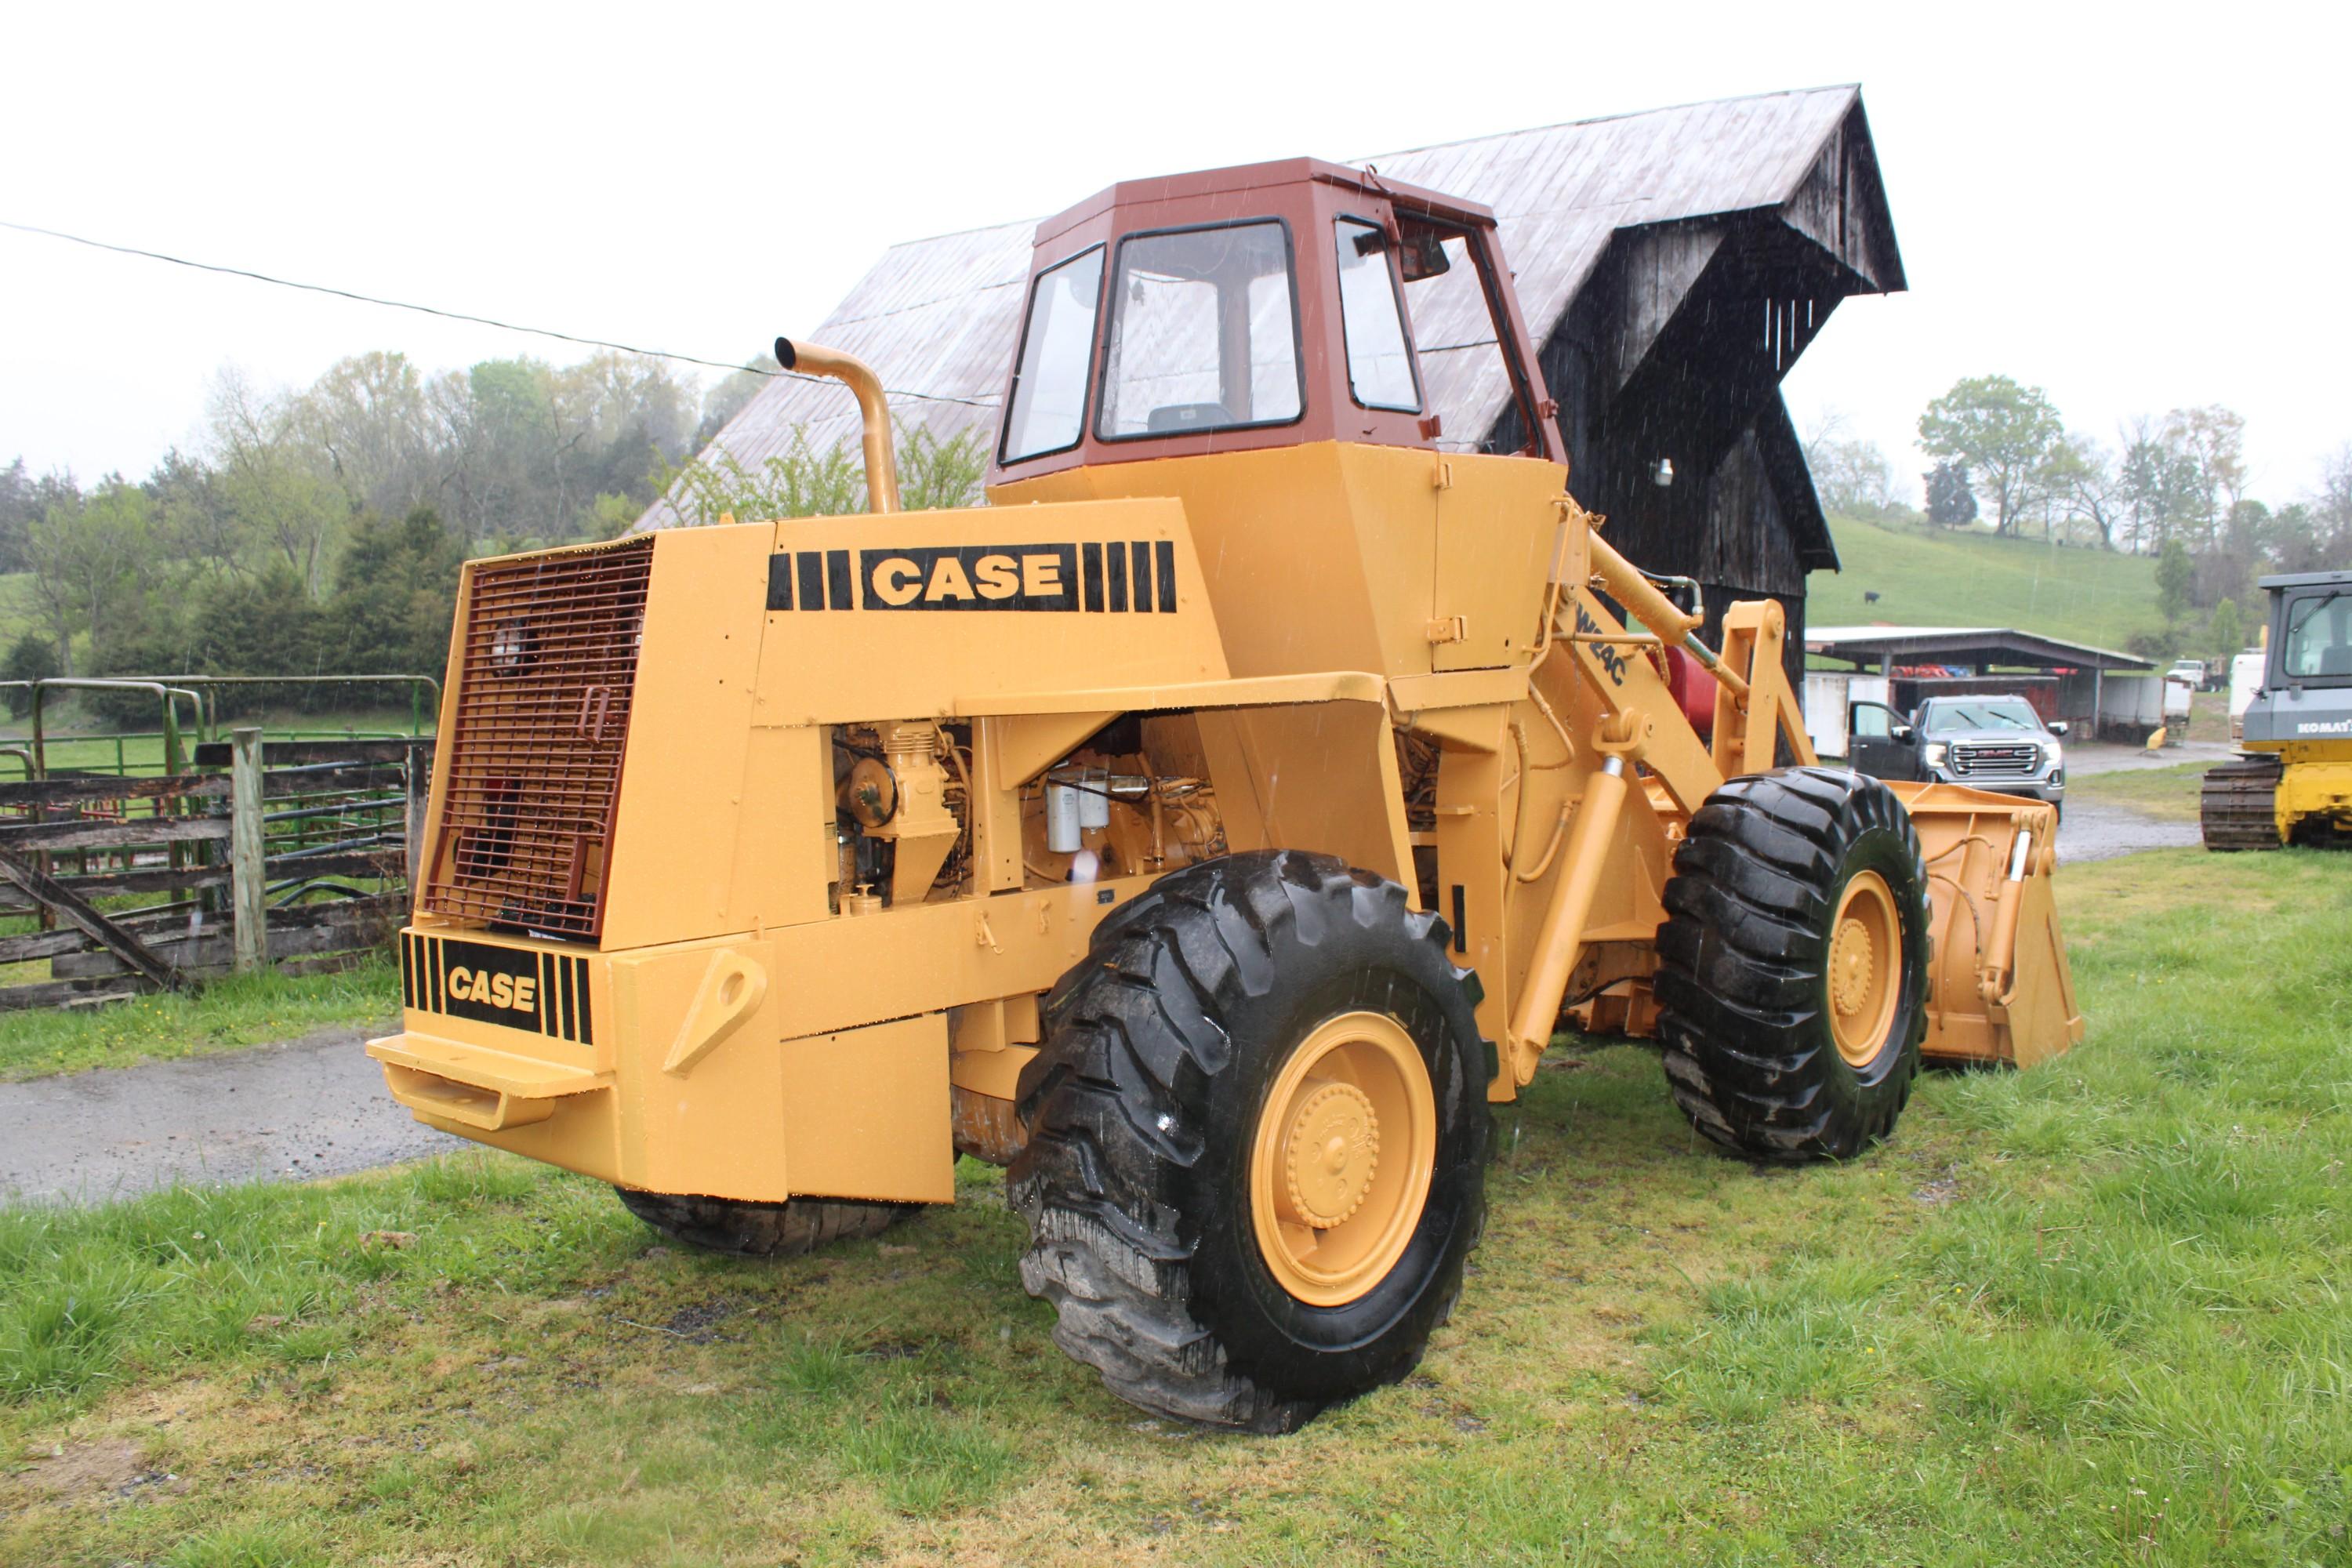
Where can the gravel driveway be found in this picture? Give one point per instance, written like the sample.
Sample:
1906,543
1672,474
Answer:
2095,830
311,1107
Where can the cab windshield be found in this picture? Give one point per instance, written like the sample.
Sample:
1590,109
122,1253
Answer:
1204,333
1944,717
2319,636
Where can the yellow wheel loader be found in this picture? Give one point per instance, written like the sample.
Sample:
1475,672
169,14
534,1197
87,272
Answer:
1210,828
2292,781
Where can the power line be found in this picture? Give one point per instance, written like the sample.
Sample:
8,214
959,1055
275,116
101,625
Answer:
461,315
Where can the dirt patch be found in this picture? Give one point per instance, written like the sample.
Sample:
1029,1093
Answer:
80,1470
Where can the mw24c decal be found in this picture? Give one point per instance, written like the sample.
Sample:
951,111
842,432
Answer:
1117,577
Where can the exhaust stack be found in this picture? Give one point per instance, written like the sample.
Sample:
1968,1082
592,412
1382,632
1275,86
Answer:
881,462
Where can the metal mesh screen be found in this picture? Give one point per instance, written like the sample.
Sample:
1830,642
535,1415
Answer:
543,715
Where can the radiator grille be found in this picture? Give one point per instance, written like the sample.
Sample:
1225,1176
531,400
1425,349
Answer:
544,698
2021,760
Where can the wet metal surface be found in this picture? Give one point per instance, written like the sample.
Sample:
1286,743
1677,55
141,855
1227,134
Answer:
307,1108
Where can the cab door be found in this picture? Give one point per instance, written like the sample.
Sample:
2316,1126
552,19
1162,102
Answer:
1879,742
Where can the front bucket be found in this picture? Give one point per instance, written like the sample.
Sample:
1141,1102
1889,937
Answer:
2000,988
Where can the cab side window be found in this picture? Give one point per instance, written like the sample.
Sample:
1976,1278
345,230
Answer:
1380,362
1049,384
1458,339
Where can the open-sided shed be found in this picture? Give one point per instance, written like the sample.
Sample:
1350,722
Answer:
2095,689
1673,265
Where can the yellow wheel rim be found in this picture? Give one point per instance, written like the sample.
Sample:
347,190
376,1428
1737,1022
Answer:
1865,968
1340,1168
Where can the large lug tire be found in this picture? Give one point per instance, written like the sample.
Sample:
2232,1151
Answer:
760,1230
1257,1142
1792,966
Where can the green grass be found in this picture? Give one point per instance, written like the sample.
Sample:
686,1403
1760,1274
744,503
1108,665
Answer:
2090,1313
2170,793
1935,577
243,1010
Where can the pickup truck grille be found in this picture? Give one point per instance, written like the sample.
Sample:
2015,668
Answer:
2012,760
548,667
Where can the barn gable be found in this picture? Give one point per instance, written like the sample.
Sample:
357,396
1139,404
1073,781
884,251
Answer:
1672,263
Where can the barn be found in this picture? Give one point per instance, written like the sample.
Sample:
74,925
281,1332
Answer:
1673,265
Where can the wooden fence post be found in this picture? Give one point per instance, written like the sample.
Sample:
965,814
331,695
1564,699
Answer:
248,885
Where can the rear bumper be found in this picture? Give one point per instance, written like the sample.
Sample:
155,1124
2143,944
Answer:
664,1071
745,1066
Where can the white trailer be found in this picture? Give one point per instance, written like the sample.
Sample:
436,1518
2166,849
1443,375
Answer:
1827,694
2246,680
2179,696
2130,707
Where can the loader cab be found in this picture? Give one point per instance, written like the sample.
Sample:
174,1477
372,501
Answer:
1271,305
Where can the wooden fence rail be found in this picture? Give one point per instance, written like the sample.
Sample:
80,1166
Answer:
297,859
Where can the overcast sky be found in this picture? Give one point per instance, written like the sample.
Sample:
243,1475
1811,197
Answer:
2137,207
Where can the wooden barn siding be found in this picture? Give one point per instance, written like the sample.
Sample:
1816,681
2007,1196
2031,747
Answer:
1727,528
1838,204
1696,395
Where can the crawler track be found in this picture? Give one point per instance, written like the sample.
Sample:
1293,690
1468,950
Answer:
2239,806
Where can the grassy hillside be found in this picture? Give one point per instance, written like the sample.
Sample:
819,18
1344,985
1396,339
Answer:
1976,580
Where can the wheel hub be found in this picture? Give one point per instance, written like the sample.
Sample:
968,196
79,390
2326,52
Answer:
1342,1158
1329,1157
1850,970
1865,979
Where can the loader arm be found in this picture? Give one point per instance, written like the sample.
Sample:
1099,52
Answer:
2003,992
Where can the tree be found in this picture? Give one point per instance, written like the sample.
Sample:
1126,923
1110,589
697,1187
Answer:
2158,484
802,481
275,482
89,556
2176,577
31,658
2296,541
395,596
727,399
2247,541
2211,442
17,510
367,418
2079,478
2001,432
2226,633
1853,479
1952,498
24,500
2331,513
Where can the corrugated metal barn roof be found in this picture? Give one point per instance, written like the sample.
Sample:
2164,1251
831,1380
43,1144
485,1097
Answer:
940,316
